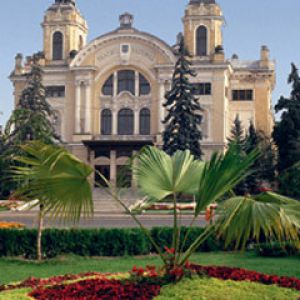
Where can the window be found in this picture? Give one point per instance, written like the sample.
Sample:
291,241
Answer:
108,86
125,49
125,122
145,121
55,92
242,95
106,122
126,81
57,46
201,41
144,85
202,88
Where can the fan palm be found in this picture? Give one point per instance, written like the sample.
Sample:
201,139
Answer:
161,176
57,179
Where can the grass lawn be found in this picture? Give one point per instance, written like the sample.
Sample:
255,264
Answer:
12,270
214,289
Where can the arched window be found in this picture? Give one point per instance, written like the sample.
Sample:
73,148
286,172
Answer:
108,86
144,85
57,46
145,121
125,122
106,122
126,81
201,41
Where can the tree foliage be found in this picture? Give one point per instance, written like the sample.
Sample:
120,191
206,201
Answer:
31,120
287,131
184,111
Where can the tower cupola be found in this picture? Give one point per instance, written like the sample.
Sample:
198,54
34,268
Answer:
203,23
65,31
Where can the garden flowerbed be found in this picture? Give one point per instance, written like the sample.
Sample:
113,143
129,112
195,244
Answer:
143,284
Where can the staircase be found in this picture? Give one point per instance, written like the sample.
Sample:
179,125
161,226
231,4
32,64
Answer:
104,203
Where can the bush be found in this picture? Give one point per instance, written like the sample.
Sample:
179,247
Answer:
93,242
276,249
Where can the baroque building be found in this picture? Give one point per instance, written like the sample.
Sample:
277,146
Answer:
108,94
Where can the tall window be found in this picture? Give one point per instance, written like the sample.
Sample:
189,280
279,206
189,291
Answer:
125,122
202,88
242,95
126,81
106,122
57,46
144,85
108,86
145,121
58,91
201,41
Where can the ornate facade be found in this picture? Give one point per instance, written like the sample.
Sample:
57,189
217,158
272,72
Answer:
108,94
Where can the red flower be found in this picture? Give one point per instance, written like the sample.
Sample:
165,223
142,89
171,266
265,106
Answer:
169,250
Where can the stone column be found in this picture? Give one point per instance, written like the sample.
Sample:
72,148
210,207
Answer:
114,122
137,84
88,100
134,180
136,122
161,109
77,107
115,85
113,167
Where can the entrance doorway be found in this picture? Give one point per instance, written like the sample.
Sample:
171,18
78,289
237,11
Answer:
105,171
124,177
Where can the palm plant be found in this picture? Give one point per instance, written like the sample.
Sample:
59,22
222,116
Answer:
240,219
58,180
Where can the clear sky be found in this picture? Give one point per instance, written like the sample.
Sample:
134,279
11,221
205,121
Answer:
249,24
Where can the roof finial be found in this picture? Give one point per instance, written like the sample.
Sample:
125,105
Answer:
202,2
126,20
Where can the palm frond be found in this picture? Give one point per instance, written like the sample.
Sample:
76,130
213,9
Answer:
221,174
242,219
160,175
57,179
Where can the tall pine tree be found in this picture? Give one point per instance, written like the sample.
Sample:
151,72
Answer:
31,120
184,111
263,170
287,131
237,138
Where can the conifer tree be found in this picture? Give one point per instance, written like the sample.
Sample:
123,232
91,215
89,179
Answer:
184,111
287,131
238,139
237,134
31,120
263,170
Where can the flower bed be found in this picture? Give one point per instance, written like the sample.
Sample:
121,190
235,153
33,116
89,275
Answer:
143,284
11,225
98,289
237,274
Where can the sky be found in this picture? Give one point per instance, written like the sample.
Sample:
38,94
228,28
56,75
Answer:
249,25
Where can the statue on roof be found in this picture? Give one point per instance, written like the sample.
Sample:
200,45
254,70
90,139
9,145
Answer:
65,2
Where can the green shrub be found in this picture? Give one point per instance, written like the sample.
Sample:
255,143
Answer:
93,242
275,249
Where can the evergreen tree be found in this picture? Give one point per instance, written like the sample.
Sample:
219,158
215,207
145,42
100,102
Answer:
237,138
263,170
287,132
31,120
237,134
184,111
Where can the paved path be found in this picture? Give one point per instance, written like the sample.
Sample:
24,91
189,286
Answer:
100,220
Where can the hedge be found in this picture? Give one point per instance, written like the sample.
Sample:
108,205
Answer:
93,242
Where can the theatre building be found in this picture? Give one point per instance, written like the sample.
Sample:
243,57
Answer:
108,93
